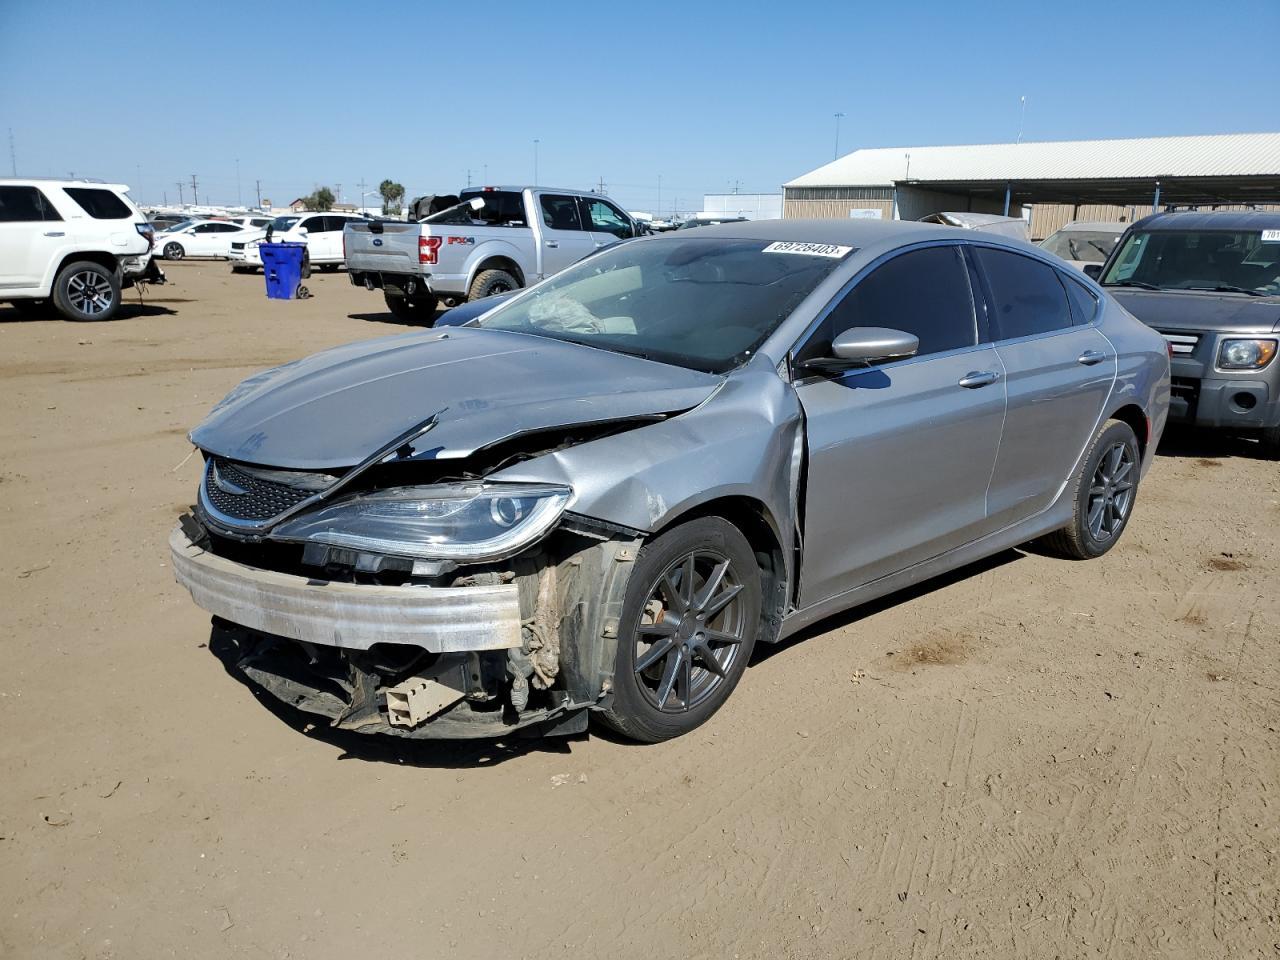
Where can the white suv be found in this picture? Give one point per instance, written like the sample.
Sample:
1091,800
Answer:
75,242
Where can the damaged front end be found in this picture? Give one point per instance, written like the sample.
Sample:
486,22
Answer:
412,597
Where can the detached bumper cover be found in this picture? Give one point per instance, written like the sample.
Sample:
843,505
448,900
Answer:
351,616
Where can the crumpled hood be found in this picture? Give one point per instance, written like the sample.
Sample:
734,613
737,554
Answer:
1187,310
334,409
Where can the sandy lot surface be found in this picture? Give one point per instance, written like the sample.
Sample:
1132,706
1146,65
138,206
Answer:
1033,758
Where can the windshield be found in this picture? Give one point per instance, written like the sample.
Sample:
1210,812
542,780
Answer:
1091,246
1240,261
702,303
283,223
175,227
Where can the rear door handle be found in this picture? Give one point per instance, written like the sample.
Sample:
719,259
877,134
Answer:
55,233
553,243
979,378
1090,357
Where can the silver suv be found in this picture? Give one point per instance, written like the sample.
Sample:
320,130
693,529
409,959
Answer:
75,242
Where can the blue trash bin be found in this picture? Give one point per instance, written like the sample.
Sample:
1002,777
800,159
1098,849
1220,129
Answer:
282,267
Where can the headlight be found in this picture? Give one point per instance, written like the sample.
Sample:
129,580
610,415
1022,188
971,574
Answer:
456,521
1245,354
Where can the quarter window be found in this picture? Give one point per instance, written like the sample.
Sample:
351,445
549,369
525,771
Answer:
1083,302
98,203
923,292
560,213
1026,297
25,205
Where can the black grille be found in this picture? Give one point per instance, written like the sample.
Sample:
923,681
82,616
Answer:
261,500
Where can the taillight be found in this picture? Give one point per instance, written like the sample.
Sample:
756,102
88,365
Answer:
344,245
428,248
149,231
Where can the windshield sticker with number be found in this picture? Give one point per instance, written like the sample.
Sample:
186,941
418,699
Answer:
833,250
1271,236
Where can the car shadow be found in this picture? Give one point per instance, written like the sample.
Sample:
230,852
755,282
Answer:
847,618
1184,441
381,748
46,313
386,316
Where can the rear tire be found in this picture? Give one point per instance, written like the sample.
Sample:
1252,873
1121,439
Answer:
420,310
173,251
689,623
1106,488
490,282
85,290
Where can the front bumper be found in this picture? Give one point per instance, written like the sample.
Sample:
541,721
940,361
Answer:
349,616
1205,396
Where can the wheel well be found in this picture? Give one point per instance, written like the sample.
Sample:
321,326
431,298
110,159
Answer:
93,256
500,263
750,518
1133,415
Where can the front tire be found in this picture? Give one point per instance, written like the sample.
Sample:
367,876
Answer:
488,283
689,623
85,290
1271,442
1106,487
174,251
420,309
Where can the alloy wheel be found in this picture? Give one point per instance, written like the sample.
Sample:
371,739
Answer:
1111,492
90,292
690,631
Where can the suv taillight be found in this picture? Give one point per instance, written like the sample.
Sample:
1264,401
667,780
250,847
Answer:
147,230
428,247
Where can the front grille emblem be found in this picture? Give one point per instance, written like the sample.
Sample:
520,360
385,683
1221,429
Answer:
225,485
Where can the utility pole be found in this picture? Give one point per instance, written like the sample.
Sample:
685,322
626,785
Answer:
836,154
13,155
600,187
165,194
468,178
239,201
195,197
338,198
181,203
258,186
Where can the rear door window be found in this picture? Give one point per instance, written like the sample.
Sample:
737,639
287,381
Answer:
1026,297
99,203
560,212
25,205
923,292
502,208
1084,305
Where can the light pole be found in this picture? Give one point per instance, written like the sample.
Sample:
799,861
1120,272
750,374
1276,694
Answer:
536,141
836,154
1022,117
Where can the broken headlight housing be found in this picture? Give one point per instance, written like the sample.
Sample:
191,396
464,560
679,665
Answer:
454,521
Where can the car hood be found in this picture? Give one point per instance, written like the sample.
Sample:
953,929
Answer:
1195,310
336,408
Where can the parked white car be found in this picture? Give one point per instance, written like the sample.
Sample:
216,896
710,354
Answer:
198,238
75,242
321,232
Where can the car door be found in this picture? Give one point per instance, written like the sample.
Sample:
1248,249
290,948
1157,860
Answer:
317,238
220,237
565,238
606,222
899,454
1059,371
200,240
31,234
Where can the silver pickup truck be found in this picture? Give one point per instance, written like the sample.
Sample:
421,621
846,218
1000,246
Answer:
495,240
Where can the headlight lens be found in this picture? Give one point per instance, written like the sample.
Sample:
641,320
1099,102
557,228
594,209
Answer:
1245,354
456,521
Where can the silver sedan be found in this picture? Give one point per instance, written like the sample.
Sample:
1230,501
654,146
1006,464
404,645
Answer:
602,494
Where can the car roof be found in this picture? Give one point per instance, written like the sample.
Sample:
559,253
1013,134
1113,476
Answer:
1211,220
61,182
852,232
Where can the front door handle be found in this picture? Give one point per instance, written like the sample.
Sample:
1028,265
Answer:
979,378
55,233
1090,357
553,243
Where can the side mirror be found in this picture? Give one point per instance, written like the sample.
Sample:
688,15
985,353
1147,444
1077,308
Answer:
303,231
863,346
1093,271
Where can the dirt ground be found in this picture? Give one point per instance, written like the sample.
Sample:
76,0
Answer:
1032,758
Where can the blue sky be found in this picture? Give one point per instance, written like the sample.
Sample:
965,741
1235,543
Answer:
703,95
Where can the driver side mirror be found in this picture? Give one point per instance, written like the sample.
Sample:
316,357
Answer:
1093,271
864,346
